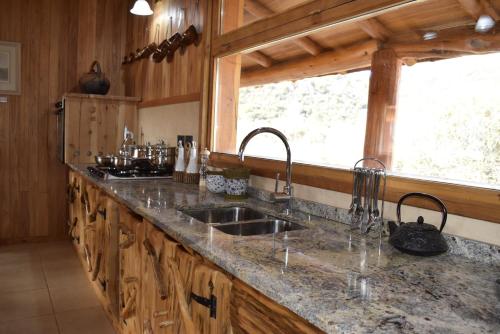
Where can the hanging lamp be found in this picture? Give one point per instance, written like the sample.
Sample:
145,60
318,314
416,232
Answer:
141,7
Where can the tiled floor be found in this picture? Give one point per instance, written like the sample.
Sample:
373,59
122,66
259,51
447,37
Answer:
43,290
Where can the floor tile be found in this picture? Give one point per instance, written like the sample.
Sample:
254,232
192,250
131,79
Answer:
19,253
73,297
20,277
88,321
24,304
55,251
37,325
63,277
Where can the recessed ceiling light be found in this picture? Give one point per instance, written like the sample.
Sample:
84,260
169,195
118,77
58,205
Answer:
429,35
484,23
141,7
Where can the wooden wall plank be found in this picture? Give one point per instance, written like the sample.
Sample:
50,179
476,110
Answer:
155,81
32,180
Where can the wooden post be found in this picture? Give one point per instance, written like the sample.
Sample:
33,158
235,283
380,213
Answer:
384,81
229,72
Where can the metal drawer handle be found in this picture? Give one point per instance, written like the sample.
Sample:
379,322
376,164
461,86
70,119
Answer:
211,302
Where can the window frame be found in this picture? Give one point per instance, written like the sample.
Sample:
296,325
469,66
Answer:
469,201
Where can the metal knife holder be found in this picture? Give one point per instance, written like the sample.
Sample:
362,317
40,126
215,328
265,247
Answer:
364,210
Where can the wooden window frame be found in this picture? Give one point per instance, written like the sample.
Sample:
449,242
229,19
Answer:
461,199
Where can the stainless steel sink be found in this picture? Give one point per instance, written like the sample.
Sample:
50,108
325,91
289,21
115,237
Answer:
239,220
268,226
225,215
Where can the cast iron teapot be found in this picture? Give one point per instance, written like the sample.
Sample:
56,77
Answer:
418,238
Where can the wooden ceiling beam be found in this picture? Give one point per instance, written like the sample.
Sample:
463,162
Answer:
476,8
258,10
260,58
375,29
490,10
448,44
330,62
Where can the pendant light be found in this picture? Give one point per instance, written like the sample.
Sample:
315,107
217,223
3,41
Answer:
141,7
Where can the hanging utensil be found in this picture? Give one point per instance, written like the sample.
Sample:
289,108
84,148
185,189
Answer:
190,36
354,201
175,40
161,51
367,201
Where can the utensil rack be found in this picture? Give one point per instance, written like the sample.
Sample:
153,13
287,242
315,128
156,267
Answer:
364,211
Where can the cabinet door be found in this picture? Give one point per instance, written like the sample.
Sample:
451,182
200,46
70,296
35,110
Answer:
92,231
157,296
130,251
210,300
101,126
72,207
110,265
95,126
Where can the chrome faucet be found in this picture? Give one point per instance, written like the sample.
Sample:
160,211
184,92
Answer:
286,195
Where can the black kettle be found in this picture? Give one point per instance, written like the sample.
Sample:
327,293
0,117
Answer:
418,238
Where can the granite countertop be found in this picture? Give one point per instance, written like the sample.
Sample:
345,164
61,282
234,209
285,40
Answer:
338,281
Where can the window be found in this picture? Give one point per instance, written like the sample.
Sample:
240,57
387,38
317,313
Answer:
324,118
338,85
448,120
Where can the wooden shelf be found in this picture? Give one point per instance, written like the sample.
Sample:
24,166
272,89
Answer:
195,97
103,97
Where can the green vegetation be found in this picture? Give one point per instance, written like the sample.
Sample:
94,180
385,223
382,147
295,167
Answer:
447,127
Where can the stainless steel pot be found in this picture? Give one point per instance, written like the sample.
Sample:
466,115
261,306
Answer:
122,161
104,160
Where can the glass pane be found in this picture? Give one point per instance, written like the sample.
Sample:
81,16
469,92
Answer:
448,120
324,118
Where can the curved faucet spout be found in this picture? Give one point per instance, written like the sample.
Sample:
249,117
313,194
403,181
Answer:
288,188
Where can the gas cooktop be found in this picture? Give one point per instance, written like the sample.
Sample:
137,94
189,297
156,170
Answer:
114,173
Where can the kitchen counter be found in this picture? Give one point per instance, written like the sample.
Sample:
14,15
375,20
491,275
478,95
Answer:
338,281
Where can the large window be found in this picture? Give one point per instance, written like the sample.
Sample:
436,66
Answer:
324,118
448,120
415,85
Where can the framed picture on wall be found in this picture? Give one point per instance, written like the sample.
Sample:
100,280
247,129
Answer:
10,68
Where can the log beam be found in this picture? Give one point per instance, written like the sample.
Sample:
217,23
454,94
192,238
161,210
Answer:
382,98
229,68
448,44
260,58
375,29
338,61
476,8
258,10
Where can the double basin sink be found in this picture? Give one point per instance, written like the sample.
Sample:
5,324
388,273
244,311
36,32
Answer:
242,221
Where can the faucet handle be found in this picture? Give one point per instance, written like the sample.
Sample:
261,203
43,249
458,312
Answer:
277,182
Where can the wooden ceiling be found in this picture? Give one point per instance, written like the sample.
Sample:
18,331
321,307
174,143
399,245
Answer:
402,29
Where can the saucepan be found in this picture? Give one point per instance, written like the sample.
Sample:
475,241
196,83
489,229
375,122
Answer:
104,160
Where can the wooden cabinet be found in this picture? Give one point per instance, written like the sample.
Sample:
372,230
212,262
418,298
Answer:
94,125
131,238
76,213
152,284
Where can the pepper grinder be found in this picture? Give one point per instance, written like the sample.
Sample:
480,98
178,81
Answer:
204,156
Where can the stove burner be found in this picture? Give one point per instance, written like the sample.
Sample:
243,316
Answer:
130,172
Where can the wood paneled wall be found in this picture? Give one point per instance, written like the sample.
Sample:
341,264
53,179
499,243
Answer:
59,40
183,76
102,28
